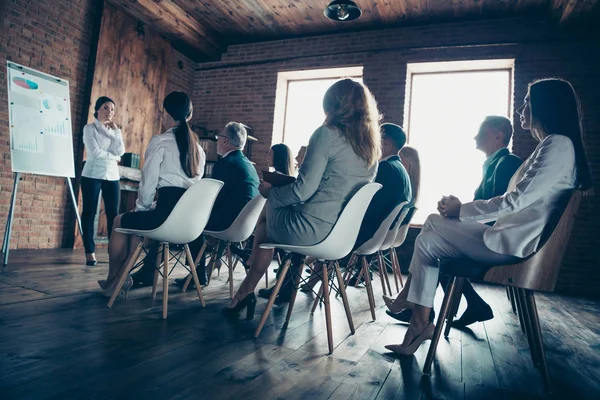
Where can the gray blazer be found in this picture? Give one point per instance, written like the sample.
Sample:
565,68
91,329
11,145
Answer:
329,176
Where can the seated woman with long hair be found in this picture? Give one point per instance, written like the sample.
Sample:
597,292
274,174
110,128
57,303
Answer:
409,157
281,159
173,162
341,157
536,191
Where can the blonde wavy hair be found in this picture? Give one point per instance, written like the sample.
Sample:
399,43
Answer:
351,108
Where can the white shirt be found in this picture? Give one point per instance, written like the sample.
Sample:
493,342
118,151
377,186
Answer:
104,148
534,193
162,168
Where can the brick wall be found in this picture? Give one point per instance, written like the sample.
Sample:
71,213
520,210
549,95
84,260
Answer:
242,87
181,73
52,36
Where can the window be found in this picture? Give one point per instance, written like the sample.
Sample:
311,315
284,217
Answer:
447,103
299,103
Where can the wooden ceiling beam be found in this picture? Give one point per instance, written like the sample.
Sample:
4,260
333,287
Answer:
567,9
175,23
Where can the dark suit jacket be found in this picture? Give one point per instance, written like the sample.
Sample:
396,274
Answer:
497,175
240,186
392,175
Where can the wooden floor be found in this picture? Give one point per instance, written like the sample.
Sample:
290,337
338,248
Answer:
59,340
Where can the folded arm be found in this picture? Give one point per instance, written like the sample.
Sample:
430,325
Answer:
92,146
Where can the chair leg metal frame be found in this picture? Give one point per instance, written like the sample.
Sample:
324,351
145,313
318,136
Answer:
326,267
527,310
166,258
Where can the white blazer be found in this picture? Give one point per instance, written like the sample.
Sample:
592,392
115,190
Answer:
533,193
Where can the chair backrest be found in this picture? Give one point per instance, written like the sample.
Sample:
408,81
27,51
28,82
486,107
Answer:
390,237
403,231
190,215
540,271
340,241
374,244
244,223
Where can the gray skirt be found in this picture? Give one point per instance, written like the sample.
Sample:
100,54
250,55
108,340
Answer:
288,226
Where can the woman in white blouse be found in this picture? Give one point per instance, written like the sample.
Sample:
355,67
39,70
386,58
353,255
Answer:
104,147
535,193
173,162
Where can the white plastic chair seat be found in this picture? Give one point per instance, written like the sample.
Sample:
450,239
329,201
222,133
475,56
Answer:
338,244
243,226
189,217
392,233
372,245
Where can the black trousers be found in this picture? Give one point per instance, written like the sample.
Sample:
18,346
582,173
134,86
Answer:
90,191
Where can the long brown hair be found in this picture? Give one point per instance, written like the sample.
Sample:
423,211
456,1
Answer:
410,159
283,161
555,109
179,106
351,108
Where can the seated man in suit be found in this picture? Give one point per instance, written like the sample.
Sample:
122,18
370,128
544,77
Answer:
240,185
499,167
392,175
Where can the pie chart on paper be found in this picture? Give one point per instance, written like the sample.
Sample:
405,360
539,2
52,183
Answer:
47,103
25,83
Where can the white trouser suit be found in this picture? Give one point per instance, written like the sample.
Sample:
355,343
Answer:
520,214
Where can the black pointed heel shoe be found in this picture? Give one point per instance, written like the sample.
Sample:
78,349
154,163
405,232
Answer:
248,302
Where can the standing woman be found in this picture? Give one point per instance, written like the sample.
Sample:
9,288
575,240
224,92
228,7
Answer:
173,162
104,147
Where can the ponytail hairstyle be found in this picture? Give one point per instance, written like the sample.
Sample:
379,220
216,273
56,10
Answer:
179,107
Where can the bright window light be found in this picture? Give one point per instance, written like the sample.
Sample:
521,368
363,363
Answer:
304,110
444,114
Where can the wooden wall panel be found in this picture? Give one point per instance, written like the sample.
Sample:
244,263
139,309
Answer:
131,68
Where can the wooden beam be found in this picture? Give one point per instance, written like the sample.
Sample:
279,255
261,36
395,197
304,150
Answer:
567,9
175,23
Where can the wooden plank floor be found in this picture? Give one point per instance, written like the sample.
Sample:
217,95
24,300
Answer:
59,340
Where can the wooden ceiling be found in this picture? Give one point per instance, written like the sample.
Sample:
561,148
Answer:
203,28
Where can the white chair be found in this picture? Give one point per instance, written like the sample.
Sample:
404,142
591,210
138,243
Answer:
240,230
370,247
336,245
399,241
388,245
185,223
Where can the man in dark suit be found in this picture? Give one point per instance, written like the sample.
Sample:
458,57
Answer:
392,175
499,167
395,182
240,185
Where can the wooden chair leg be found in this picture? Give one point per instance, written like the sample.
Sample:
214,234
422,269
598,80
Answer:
296,282
327,306
157,267
519,310
454,305
318,298
196,261
511,297
537,336
370,296
397,266
194,274
394,269
528,326
274,294
384,276
439,326
344,297
165,280
213,262
230,268
125,273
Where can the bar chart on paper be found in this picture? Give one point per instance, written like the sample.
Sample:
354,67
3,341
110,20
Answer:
41,140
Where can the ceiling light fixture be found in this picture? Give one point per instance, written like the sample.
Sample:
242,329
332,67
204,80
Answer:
342,10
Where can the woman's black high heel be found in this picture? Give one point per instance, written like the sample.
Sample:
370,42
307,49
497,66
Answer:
248,302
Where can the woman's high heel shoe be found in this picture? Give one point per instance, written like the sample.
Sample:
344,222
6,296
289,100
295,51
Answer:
108,291
248,302
410,349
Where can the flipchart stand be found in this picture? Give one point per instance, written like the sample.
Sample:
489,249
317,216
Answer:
9,220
